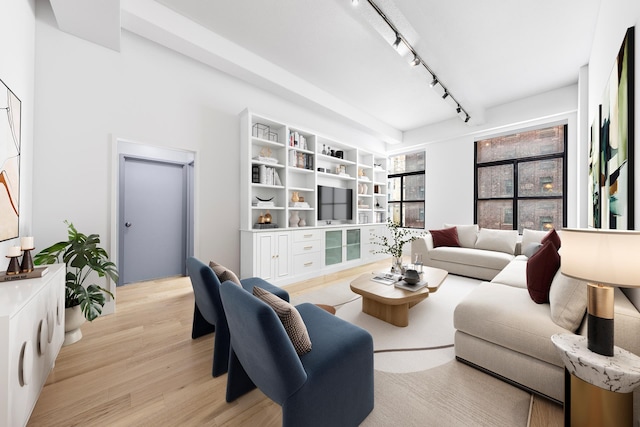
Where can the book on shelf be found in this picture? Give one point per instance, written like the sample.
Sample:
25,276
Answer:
268,175
37,272
299,205
264,159
260,204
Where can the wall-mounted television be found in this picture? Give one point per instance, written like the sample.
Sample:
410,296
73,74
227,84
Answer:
334,203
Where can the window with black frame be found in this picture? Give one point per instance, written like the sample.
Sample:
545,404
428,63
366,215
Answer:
521,179
406,189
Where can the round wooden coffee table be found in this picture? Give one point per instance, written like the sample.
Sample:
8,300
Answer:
391,304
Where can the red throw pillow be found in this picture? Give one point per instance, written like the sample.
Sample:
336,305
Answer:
445,237
541,269
553,237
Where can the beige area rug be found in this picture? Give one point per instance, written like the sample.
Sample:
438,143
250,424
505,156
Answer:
428,340
451,395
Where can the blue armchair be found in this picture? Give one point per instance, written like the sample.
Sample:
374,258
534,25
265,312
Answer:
332,385
208,314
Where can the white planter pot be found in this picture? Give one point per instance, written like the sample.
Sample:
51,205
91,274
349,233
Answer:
73,320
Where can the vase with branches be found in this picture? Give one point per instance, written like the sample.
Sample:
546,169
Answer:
393,243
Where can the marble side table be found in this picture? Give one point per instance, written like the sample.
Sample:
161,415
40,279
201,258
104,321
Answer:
598,389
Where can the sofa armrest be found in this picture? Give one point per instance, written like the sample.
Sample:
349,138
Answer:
422,245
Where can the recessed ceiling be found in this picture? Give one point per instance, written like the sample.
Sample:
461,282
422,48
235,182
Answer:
487,53
338,57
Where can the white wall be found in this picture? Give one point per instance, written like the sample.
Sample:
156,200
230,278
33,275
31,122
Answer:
613,20
17,50
87,95
450,148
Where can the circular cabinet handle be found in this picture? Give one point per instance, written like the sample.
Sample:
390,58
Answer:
58,313
42,337
50,327
25,363
127,224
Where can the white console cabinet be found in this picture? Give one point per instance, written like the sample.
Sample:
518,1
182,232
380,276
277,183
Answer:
31,335
286,256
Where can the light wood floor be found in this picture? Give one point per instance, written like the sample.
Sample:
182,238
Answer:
140,367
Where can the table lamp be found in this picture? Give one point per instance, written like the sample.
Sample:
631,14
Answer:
604,259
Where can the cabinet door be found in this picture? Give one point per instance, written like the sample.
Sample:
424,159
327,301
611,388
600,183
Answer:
333,247
265,256
282,258
353,244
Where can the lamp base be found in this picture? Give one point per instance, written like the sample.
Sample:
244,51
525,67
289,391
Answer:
600,335
600,303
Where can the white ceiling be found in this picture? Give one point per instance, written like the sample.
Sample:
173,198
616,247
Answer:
486,53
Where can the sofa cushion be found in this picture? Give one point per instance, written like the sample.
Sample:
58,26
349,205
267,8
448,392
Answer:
506,316
531,249
541,269
568,301
224,273
467,234
553,237
497,240
514,274
531,236
474,257
290,318
445,237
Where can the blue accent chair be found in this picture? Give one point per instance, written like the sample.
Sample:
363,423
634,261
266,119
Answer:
208,314
332,385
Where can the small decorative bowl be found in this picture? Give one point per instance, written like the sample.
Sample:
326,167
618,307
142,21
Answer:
411,277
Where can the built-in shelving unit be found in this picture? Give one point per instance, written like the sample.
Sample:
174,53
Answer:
282,166
280,160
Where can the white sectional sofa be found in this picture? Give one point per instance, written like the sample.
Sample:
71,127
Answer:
501,330
482,253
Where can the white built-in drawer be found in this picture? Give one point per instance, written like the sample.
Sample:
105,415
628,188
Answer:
306,235
306,247
307,263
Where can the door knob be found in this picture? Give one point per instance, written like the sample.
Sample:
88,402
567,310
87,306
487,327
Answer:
127,224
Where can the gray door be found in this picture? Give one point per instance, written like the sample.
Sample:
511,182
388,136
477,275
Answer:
153,219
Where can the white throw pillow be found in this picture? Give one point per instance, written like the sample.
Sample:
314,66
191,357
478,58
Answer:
497,240
568,300
467,234
531,236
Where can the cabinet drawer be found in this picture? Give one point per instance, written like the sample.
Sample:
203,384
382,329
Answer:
306,247
306,235
305,263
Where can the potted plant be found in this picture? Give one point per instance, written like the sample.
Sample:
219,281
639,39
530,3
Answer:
82,256
394,244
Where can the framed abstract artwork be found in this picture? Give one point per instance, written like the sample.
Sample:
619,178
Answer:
10,114
594,178
617,143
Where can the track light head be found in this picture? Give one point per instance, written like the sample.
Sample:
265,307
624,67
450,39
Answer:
458,109
396,44
416,61
445,94
433,82
466,120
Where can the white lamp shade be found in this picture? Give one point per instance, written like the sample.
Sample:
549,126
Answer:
609,257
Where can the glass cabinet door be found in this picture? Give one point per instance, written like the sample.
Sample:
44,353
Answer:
333,247
353,244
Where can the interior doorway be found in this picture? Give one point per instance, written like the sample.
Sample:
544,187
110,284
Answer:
155,212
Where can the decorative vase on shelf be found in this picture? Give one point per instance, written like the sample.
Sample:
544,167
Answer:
295,197
267,218
302,223
294,219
